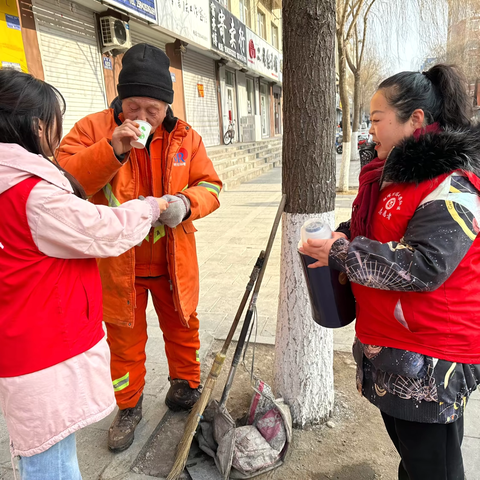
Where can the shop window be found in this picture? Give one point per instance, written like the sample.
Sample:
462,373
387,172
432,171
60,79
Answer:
274,36
250,97
245,12
226,3
229,78
261,25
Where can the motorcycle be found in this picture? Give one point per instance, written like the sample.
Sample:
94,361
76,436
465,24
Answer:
362,140
367,152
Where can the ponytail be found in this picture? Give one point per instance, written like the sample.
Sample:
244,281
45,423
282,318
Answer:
440,92
455,106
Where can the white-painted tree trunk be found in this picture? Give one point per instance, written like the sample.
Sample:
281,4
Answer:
303,372
345,167
354,146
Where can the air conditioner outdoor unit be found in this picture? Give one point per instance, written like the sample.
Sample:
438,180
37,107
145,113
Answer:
115,34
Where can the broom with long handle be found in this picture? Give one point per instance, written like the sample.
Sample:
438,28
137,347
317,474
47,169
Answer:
195,416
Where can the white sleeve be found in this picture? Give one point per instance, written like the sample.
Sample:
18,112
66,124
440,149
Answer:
65,226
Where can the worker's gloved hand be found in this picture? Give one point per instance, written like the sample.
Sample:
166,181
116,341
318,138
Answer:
178,209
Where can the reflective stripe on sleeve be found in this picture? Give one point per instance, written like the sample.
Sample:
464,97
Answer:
112,200
211,187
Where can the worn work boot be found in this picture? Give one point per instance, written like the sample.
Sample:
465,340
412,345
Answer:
181,396
122,430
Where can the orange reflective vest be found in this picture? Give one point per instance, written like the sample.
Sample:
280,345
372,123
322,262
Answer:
87,154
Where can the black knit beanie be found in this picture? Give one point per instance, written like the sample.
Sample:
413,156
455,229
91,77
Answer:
145,73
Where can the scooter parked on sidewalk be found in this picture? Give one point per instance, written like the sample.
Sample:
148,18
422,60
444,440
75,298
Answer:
362,140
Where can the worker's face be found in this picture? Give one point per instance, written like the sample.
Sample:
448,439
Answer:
386,130
146,109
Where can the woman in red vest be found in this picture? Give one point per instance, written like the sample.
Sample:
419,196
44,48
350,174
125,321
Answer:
412,254
54,359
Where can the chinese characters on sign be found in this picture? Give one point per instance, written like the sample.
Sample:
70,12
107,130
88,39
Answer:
12,22
228,33
263,58
107,63
145,9
189,19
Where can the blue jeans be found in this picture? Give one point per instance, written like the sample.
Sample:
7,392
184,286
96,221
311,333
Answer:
57,463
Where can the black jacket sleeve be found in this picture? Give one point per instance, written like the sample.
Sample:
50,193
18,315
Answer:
344,228
437,238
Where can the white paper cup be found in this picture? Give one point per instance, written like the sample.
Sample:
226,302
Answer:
145,128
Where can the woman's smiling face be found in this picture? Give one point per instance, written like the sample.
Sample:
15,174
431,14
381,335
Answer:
386,130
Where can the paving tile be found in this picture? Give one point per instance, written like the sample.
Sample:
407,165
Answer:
93,453
210,321
472,419
471,457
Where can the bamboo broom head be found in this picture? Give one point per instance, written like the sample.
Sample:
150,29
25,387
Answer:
194,418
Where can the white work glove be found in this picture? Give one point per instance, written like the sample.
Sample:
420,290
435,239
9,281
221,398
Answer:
178,209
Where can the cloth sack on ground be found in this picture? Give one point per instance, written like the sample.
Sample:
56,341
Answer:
253,449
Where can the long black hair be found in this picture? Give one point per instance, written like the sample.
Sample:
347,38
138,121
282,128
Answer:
24,101
441,92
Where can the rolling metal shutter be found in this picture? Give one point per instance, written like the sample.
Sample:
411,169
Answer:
202,112
71,57
138,37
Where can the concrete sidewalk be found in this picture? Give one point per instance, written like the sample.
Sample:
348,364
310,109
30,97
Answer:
228,242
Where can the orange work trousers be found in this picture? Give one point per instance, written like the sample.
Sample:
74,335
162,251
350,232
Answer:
127,345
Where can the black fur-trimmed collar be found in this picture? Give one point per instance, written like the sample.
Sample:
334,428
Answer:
434,154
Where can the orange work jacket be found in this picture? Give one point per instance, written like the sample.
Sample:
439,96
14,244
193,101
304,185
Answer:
87,154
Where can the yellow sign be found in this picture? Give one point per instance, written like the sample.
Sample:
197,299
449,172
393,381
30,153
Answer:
201,91
12,54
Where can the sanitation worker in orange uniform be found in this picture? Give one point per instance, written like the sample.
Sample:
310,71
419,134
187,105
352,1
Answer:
174,165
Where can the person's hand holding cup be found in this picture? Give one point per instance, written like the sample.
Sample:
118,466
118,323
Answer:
130,134
141,140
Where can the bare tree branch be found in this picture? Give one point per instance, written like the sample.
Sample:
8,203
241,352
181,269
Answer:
356,14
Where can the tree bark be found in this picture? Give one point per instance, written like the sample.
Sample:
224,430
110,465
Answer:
303,369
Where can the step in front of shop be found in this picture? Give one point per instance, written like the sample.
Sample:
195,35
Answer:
242,162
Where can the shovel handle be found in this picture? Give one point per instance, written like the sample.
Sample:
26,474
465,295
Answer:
253,278
248,317
236,356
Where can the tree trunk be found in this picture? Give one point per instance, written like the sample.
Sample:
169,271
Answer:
342,84
303,369
356,117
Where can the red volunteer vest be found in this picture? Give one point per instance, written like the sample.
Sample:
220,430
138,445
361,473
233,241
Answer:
444,323
51,309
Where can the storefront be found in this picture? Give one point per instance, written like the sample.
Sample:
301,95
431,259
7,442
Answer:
200,88
190,25
277,109
229,40
71,56
266,61
265,108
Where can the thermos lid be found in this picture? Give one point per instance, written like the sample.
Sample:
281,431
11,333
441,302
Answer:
313,226
315,229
